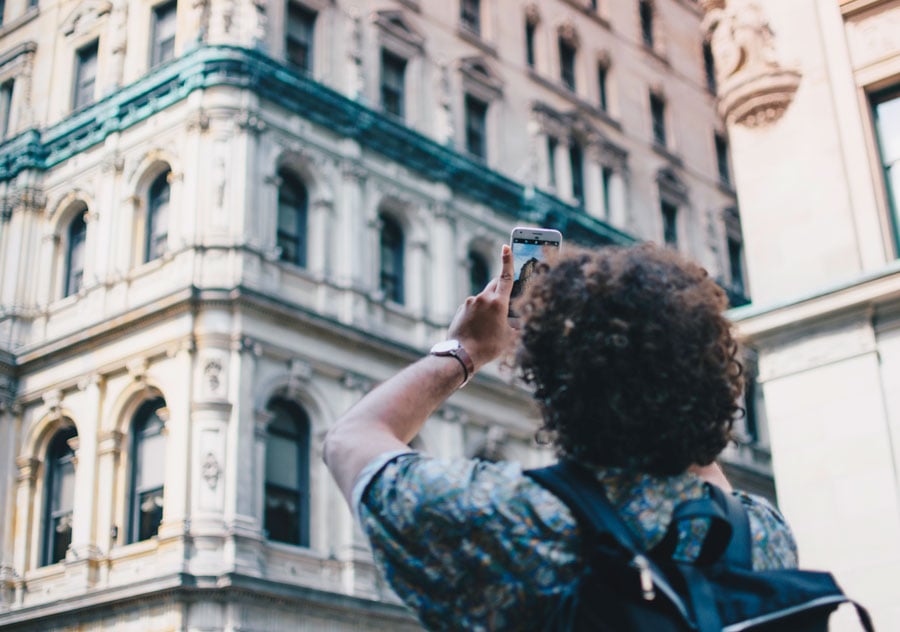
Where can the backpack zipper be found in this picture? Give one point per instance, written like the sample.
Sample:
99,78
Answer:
646,577
809,605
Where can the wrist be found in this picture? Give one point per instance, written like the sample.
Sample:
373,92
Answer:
453,349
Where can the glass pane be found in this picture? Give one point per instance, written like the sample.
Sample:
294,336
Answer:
287,219
151,461
150,506
888,114
65,485
282,462
282,519
61,538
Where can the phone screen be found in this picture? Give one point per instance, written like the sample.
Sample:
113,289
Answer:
528,251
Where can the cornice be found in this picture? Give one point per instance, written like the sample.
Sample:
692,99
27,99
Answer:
245,69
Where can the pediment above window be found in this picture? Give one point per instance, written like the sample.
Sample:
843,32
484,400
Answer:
396,30
85,15
479,79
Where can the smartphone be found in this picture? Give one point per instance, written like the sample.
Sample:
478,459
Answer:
530,246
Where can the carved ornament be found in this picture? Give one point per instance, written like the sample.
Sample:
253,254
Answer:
754,88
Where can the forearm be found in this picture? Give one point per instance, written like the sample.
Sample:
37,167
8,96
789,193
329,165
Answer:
388,417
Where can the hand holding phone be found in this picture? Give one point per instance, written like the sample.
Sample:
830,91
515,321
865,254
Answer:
530,247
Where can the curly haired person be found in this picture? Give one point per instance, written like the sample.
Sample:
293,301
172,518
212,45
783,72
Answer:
636,374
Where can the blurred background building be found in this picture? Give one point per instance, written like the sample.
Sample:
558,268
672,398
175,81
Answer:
810,90
225,220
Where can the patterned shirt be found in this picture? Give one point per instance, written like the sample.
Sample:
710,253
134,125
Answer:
473,545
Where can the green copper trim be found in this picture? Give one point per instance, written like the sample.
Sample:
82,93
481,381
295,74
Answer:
242,68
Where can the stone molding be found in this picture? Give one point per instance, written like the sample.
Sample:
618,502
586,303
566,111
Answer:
754,88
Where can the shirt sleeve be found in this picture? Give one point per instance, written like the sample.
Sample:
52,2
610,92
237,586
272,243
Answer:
774,546
462,542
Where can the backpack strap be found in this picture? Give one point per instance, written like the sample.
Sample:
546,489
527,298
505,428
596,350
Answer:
581,492
740,548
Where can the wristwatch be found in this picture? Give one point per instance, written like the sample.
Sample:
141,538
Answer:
454,349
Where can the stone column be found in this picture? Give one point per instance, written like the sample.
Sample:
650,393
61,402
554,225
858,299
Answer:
445,253
7,500
92,252
593,185
319,253
83,544
23,518
617,213
177,419
109,488
563,175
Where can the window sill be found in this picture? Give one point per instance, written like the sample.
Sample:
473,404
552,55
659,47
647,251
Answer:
583,105
19,22
668,155
476,40
656,54
727,188
593,14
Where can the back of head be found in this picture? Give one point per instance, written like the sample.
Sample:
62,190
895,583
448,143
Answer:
632,360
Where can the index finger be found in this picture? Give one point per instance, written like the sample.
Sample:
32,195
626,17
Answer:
505,281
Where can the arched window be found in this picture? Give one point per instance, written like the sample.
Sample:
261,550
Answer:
148,459
391,277
292,217
157,217
60,486
287,474
479,272
75,237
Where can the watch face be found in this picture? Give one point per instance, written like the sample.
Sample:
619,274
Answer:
444,346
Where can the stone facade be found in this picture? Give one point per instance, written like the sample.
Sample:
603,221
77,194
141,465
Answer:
155,158
819,212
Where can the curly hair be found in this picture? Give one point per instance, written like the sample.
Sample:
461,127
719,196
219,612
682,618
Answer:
632,361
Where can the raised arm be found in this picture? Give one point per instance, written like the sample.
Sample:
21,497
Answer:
389,416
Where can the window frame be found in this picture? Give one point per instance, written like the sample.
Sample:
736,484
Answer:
155,242
723,162
576,170
289,182
477,262
82,95
136,490
646,16
157,52
568,60
6,102
891,195
73,281
470,16
398,92
59,455
307,20
669,212
476,111
658,120
392,244
299,419
530,35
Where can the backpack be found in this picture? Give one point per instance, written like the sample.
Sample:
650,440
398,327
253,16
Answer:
624,588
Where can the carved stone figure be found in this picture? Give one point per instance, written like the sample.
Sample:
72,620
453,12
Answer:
753,87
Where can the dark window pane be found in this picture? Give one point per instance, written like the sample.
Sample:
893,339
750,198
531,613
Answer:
60,486
293,205
148,461
299,37
658,116
602,75
886,108
85,76
670,226
392,272
722,160
479,274
6,92
709,67
567,64
551,159
606,174
470,15
75,254
286,511
476,123
736,264
751,417
393,70
164,23
157,217
576,164
646,12
529,44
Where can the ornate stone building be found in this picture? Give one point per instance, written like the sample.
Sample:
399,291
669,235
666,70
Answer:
811,93
224,220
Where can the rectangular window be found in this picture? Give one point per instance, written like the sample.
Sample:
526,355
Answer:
567,64
602,76
476,126
32,4
6,92
646,13
722,160
551,161
886,113
299,38
164,23
670,223
529,44
470,15
393,70
606,174
736,265
658,117
85,75
709,68
576,164
2,10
